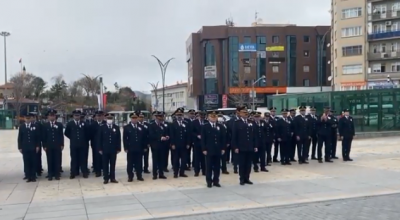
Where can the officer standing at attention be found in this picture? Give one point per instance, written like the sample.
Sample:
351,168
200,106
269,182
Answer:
229,151
346,133
109,147
146,153
95,128
213,147
335,124
274,121
325,135
180,143
167,143
244,144
284,134
39,125
53,144
223,129
312,119
157,139
269,136
293,141
302,133
198,156
260,130
189,120
135,144
77,134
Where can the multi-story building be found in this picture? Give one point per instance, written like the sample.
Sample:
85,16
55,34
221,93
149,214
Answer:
226,60
349,45
175,96
384,43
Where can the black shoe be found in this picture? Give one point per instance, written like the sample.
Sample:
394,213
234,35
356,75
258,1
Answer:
217,185
264,170
114,181
162,177
313,158
175,176
235,171
166,170
50,178
225,172
320,161
130,179
203,174
98,174
72,177
140,179
304,162
28,180
183,175
61,170
283,163
293,160
241,183
288,163
209,185
85,175
39,174
187,169
105,182
328,161
25,178
256,170
248,182
349,159
33,180
275,161
154,177
196,174
46,176
57,178
335,158
146,171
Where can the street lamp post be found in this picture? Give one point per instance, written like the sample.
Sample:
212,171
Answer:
163,68
5,35
253,92
321,51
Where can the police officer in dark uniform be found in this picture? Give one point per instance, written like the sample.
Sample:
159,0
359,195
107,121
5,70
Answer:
189,120
223,129
29,141
95,128
135,144
346,133
284,134
167,143
324,135
39,126
78,135
157,139
88,138
146,152
109,146
198,156
213,147
273,120
313,120
302,133
53,144
244,144
229,153
180,143
292,115
334,123
260,131
269,136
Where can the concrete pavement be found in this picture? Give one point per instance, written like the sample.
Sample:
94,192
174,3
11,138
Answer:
375,171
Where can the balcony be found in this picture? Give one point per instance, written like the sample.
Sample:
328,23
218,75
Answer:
383,76
384,16
384,35
390,55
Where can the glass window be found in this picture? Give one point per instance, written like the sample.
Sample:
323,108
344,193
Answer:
352,51
247,40
306,82
306,53
395,45
351,13
352,31
262,40
395,67
376,68
306,69
275,82
233,61
352,69
275,39
275,69
306,39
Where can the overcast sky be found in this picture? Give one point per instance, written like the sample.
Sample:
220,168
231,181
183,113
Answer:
116,38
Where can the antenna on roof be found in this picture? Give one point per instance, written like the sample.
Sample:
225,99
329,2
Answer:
229,22
256,16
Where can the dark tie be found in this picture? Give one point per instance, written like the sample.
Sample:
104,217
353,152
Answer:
52,125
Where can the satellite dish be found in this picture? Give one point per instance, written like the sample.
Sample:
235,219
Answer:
330,78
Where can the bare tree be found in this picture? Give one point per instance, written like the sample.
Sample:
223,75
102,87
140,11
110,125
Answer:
90,84
22,82
155,89
241,97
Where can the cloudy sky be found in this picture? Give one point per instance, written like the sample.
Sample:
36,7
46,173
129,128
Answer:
116,38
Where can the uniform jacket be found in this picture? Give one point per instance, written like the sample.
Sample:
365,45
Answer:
324,127
156,131
94,132
196,129
53,136
302,127
284,129
243,137
260,130
270,127
346,127
77,133
179,134
109,139
134,138
313,120
28,138
212,139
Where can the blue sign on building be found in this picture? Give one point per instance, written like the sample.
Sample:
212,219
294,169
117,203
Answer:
247,48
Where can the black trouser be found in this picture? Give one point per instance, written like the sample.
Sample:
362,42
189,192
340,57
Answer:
199,159
346,147
78,160
61,160
313,141
213,166
97,161
158,160
276,150
228,152
245,160
293,144
302,149
223,162
179,160
39,161
285,151
146,160
53,161
109,160
268,150
30,163
333,143
235,160
188,156
165,154
134,159
260,156
324,140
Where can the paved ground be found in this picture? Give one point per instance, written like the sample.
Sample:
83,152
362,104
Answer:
375,171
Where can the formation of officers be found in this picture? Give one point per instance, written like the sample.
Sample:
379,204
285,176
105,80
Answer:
203,141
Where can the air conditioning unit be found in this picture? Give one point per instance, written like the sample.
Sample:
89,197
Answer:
384,55
388,23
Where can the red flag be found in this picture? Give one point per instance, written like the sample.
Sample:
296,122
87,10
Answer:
20,60
104,101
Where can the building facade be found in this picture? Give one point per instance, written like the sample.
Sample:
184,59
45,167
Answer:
227,60
175,96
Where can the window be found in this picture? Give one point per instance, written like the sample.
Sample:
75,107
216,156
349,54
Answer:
379,28
275,82
395,45
352,69
352,31
395,26
275,39
275,69
306,82
306,53
306,39
351,13
262,40
306,69
377,68
352,51
275,54
396,67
